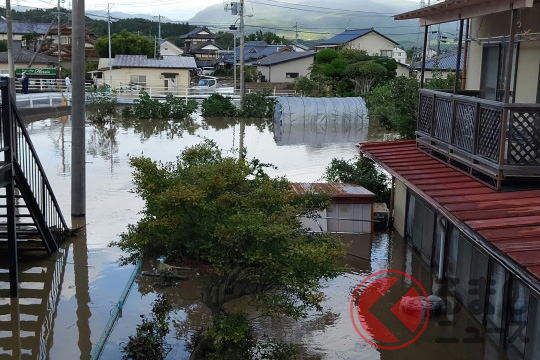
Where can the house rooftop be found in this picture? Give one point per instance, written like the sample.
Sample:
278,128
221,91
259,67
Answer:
25,56
350,35
453,10
174,62
194,34
334,189
282,57
442,62
504,223
22,27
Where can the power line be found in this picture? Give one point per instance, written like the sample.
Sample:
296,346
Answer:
327,8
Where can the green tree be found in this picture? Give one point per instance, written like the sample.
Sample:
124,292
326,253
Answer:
225,39
125,43
360,171
364,74
395,105
226,217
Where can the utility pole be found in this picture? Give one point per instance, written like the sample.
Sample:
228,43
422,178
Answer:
78,113
234,64
59,40
296,36
11,64
159,28
242,62
110,46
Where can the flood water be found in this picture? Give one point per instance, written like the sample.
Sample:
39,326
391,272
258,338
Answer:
66,300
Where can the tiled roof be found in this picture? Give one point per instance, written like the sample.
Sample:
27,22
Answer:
283,56
193,34
350,35
253,50
25,56
507,221
442,62
175,62
21,27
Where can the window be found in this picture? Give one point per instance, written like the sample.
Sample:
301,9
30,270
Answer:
291,75
138,79
517,319
478,283
533,330
420,226
386,53
496,292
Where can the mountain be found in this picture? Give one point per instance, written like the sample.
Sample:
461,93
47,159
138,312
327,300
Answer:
320,19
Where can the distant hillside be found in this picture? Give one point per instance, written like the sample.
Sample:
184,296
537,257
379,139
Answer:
320,23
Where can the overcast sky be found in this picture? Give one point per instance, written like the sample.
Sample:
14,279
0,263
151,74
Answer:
174,10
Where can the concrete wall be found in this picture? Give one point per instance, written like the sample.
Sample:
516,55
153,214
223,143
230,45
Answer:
400,205
154,77
278,72
372,43
528,57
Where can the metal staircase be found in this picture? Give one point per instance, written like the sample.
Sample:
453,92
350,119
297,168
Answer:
30,218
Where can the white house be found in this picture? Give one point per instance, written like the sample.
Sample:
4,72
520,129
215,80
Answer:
170,74
167,48
285,66
399,55
369,40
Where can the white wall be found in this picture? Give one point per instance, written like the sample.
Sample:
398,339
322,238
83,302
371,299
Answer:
529,51
154,77
372,44
278,72
399,55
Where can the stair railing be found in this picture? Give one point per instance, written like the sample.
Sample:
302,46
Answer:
27,159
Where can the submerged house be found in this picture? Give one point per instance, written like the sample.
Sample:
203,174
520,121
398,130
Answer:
465,192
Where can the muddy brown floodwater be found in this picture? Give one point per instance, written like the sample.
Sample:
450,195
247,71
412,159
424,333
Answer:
66,299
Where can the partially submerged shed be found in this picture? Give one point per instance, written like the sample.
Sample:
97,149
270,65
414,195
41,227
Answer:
350,212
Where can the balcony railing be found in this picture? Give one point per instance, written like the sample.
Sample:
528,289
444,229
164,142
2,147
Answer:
499,140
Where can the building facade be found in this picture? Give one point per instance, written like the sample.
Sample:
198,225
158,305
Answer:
369,40
285,66
464,192
169,75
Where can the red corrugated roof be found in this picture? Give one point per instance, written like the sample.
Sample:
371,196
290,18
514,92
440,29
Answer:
508,220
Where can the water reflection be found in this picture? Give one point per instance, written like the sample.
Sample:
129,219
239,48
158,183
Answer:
67,298
317,134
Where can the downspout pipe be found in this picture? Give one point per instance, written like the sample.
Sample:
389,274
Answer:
442,249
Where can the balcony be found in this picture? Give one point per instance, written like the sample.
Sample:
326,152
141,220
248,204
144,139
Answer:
495,142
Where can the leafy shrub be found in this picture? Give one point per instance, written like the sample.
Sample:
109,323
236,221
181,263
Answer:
101,104
218,105
395,105
257,105
149,342
173,108
360,171
127,112
326,55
